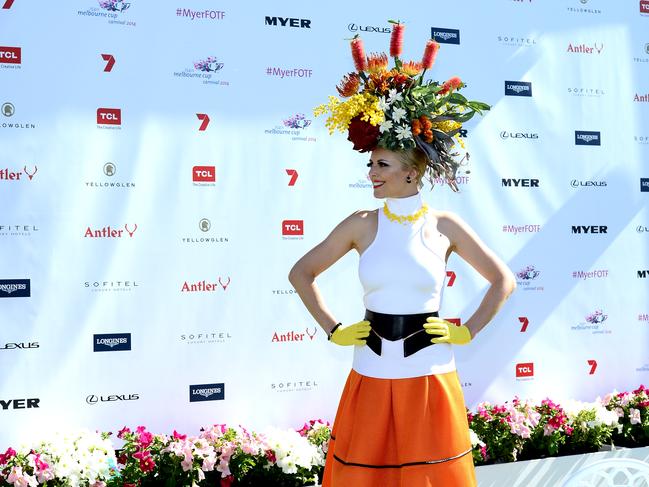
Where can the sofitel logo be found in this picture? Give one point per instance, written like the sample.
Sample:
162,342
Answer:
593,92
7,175
515,41
207,392
587,138
294,386
17,230
109,118
518,88
115,286
92,399
368,28
445,36
205,337
15,288
111,342
204,286
525,370
108,232
585,49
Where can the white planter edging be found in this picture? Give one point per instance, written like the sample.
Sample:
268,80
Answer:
622,466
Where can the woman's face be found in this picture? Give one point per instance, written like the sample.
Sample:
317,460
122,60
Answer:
389,177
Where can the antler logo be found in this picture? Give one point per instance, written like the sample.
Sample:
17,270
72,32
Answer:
311,335
129,232
224,286
30,175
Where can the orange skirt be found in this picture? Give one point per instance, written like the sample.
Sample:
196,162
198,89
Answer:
400,433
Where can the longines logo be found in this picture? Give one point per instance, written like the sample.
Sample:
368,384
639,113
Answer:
207,392
584,91
516,41
204,226
109,118
368,28
205,337
595,48
294,386
15,175
204,286
589,229
15,288
204,175
520,183
10,57
111,286
295,336
30,403
20,346
587,138
17,230
445,36
110,170
288,22
109,232
93,399
9,110
577,183
518,88
644,185
111,342
506,135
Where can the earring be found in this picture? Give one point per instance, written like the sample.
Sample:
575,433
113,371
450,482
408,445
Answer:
408,180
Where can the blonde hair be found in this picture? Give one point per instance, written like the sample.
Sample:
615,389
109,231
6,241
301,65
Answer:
418,160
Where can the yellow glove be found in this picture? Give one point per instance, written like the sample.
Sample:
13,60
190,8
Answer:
447,332
352,334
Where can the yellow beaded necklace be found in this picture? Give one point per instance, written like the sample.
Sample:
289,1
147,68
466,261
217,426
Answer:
405,219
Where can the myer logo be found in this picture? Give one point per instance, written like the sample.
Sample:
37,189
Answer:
445,36
204,174
207,392
643,274
20,346
111,342
525,369
288,22
644,185
523,183
15,288
518,88
10,55
108,232
587,138
293,227
19,403
588,229
92,399
109,116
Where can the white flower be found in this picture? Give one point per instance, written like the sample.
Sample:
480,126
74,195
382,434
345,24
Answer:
293,450
634,416
403,132
383,104
385,126
398,114
394,96
475,440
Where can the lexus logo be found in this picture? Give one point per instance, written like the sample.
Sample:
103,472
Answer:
92,399
8,109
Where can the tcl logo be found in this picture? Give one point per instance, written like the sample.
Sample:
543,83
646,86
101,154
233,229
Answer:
644,6
204,174
293,227
109,116
10,55
525,369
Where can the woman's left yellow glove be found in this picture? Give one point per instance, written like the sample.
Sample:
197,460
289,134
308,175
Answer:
447,332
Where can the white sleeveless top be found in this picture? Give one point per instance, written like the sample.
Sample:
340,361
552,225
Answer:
403,273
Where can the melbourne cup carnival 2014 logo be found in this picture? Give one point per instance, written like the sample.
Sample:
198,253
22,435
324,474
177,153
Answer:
114,5
204,71
593,322
294,126
111,10
526,277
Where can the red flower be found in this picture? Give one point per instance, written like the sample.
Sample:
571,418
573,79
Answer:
178,436
396,41
452,84
358,54
364,135
430,53
122,432
349,85
270,455
146,461
6,456
377,62
227,481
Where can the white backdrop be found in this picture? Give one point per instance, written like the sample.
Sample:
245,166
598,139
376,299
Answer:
205,305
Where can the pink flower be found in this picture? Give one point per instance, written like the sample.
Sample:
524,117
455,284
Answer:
146,461
634,416
6,456
122,432
20,479
178,436
227,481
430,53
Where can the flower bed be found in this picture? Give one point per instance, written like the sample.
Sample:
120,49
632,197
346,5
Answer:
226,456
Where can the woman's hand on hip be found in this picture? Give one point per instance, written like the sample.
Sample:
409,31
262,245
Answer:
352,334
447,332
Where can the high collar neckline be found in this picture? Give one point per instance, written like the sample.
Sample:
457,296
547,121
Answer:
405,206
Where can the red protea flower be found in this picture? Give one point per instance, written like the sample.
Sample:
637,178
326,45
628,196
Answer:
379,82
358,53
450,85
396,41
377,62
430,53
364,135
349,85
400,80
411,68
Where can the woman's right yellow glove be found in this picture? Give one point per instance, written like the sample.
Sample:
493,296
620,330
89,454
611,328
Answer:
352,334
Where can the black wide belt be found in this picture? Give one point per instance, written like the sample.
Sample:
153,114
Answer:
410,328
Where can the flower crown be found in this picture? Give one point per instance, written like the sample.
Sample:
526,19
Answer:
397,110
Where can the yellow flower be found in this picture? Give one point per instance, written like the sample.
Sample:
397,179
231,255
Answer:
447,125
341,113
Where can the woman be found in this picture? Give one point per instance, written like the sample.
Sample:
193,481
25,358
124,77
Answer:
401,420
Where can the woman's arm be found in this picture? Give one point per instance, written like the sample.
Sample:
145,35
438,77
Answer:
466,243
302,276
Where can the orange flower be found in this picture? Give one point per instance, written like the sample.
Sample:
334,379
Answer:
425,122
349,85
430,53
452,84
358,53
416,127
411,68
379,82
377,62
400,80
396,41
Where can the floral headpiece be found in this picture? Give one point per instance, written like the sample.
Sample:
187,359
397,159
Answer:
397,110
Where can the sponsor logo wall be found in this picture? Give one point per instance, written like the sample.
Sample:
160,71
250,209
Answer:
162,228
